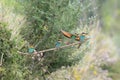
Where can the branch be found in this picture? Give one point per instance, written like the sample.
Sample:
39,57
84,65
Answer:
51,49
1,60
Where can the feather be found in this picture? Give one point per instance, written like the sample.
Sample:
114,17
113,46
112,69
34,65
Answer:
66,34
69,35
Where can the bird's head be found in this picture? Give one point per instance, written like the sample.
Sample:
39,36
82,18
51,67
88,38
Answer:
84,34
76,34
60,40
31,46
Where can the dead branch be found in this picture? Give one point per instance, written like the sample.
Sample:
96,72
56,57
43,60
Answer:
51,49
1,60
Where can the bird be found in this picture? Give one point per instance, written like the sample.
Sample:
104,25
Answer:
75,36
58,43
31,49
71,36
82,38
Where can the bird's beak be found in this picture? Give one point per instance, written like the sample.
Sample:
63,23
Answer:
84,33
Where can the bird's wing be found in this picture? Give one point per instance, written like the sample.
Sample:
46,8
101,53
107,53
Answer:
69,35
77,38
66,34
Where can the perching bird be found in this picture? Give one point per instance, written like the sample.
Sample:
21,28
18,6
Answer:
58,43
31,49
82,38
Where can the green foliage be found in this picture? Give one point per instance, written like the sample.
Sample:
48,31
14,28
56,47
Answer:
13,4
113,69
6,45
45,19
10,67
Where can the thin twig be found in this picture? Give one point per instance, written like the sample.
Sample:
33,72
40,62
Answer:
1,60
51,49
